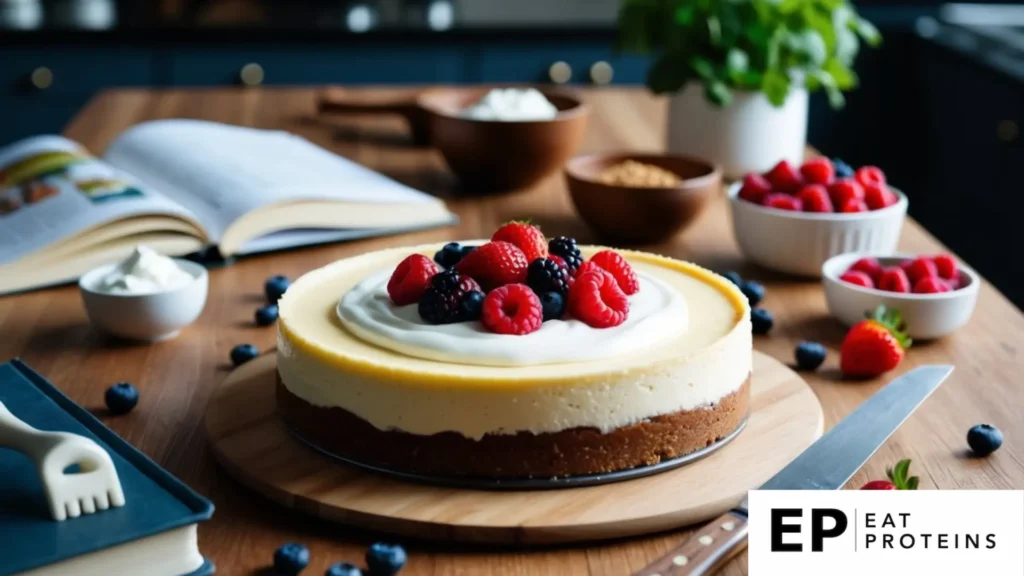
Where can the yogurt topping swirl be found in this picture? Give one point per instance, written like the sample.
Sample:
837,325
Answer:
144,272
656,312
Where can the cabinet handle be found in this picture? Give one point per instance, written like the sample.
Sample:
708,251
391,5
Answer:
251,74
1007,131
41,78
601,73
560,72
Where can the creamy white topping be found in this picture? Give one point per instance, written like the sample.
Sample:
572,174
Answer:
656,312
511,105
144,272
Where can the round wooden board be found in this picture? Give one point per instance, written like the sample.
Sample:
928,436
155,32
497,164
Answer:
253,446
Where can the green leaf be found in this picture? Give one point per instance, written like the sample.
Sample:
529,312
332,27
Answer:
718,93
668,74
715,30
703,67
736,61
844,77
867,31
775,86
912,483
684,15
825,80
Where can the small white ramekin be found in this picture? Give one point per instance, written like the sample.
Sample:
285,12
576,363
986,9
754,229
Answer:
800,242
928,316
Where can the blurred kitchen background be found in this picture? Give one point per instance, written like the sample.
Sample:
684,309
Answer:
939,107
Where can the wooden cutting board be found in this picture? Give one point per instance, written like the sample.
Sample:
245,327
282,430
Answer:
253,445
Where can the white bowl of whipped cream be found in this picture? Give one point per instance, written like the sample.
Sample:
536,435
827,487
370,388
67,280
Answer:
148,296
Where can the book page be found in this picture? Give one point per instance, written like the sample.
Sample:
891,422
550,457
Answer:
51,189
220,172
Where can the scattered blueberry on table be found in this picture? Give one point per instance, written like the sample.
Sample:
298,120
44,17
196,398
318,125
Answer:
762,320
552,304
734,277
809,355
243,353
343,569
275,287
384,559
754,291
984,439
266,315
290,559
121,398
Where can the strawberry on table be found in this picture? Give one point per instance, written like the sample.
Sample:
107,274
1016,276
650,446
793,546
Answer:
868,175
898,479
411,279
894,279
495,264
869,266
782,201
843,190
755,188
874,346
946,266
524,236
613,263
815,198
784,177
818,171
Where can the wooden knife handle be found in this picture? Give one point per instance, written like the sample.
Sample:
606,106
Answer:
704,550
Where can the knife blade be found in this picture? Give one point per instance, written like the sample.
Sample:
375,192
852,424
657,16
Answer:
826,465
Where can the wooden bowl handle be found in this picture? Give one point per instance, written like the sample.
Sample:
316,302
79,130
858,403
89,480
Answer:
705,550
339,101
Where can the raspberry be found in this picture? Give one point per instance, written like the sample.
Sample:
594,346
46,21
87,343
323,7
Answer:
512,309
441,307
930,285
784,177
894,279
815,199
781,201
853,205
567,250
869,266
919,268
546,275
597,301
526,237
755,188
818,171
613,263
411,279
946,267
857,277
495,264
843,189
868,175
586,267
878,196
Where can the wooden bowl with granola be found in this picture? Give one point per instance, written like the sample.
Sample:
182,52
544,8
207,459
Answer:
640,198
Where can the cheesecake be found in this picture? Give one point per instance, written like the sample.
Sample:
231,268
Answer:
371,381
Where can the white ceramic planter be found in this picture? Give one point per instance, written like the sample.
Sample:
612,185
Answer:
749,135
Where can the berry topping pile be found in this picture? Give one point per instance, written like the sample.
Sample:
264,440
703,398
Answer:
516,282
921,275
819,185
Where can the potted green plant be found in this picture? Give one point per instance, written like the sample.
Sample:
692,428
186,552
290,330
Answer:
740,71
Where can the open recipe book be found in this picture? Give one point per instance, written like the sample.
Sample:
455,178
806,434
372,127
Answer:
179,186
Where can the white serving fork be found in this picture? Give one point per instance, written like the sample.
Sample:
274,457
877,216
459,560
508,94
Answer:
94,487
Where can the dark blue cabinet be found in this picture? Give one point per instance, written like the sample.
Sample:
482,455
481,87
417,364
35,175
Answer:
532,63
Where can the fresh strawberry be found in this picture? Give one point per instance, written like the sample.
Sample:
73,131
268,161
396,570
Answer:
411,279
879,485
868,175
524,236
784,177
869,266
919,268
781,201
931,285
874,346
815,198
495,264
512,309
898,479
857,277
893,279
613,263
946,266
878,196
596,299
755,188
818,171
853,205
844,189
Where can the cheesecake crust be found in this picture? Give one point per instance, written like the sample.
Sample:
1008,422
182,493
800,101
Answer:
571,452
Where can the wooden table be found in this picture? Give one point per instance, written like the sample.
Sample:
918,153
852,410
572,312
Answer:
50,331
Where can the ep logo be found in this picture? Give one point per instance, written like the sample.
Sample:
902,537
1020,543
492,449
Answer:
821,523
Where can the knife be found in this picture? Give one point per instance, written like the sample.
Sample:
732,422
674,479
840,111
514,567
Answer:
826,465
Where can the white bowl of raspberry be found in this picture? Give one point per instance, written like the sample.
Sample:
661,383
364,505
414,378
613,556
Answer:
792,219
936,294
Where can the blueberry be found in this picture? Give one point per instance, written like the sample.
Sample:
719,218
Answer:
467,250
734,277
343,569
275,287
984,439
809,355
553,305
266,315
291,559
385,559
243,353
754,291
472,305
121,398
762,320
449,255
843,170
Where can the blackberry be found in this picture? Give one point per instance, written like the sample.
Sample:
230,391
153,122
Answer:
472,305
553,305
449,255
439,307
567,250
446,281
545,275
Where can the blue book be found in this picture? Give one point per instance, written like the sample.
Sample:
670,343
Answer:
153,534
